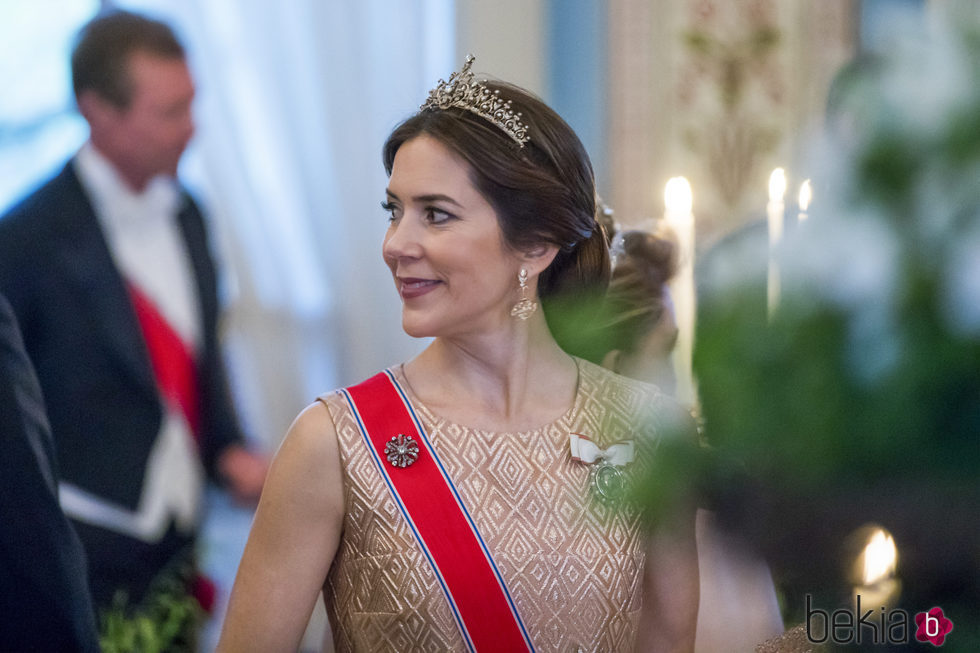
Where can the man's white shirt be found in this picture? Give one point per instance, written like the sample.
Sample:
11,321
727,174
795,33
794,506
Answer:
148,248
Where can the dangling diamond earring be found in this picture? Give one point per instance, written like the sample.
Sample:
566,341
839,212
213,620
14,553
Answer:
524,308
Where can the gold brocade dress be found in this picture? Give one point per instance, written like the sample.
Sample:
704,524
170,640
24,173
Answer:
572,565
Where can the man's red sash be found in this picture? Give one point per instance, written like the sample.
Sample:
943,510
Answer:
482,606
173,364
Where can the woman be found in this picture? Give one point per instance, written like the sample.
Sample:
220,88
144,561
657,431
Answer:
637,330
438,506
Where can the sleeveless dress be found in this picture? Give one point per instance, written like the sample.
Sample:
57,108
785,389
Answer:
572,565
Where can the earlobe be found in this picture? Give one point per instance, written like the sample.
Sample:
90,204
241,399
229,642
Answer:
97,110
92,107
86,105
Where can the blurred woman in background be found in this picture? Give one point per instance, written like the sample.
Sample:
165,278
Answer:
635,335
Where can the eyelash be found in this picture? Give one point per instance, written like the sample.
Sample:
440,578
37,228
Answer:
430,213
389,209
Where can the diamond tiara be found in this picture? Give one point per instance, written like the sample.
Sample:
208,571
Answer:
464,92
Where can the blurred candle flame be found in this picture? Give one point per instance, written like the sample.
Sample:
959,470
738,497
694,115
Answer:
880,557
806,195
678,197
777,185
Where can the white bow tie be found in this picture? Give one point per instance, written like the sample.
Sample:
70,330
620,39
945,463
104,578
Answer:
586,451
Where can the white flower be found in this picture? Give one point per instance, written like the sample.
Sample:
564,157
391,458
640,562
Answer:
851,265
851,261
928,78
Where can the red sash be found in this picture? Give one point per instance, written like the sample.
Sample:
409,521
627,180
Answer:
483,609
173,364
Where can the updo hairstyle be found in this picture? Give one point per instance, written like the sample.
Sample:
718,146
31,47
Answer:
634,304
543,193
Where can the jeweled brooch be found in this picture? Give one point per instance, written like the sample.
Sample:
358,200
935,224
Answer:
606,477
402,450
608,483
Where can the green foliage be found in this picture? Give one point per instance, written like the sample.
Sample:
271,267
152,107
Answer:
870,368
166,621
859,398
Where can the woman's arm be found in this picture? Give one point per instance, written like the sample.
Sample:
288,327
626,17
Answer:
671,584
293,540
668,621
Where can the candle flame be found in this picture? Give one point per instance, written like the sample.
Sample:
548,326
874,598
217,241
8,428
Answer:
677,196
777,185
880,557
806,194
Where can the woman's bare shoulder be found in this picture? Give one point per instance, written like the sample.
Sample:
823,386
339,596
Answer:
309,453
314,424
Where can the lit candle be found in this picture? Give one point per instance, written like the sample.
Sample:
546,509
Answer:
877,585
678,201
774,211
806,194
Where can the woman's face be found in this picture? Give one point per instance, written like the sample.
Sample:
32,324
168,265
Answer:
444,247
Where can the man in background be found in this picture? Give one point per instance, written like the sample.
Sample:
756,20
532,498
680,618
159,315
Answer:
108,269
44,602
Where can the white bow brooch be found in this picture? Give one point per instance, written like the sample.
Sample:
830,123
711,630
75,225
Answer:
607,479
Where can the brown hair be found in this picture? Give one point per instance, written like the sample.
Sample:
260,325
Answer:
103,49
542,193
634,303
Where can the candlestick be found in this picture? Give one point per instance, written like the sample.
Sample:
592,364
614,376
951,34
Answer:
678,200
774,211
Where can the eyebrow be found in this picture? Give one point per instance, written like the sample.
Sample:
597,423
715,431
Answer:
422,199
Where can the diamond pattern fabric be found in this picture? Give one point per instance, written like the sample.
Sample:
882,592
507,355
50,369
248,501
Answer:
572,565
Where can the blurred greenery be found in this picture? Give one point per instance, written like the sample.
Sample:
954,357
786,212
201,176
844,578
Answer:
167,620
858,400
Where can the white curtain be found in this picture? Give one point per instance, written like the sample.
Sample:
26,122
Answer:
295,100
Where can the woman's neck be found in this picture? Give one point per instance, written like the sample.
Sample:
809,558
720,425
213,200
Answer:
506,381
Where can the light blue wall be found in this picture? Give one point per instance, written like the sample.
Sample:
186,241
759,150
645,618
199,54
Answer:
576,73
877,20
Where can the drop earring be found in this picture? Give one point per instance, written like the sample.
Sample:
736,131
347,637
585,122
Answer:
525,307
